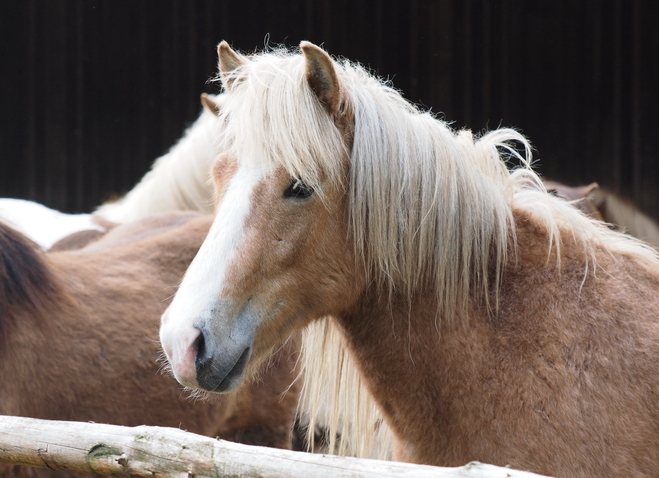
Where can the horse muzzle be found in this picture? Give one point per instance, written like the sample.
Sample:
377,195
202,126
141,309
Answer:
179,346
210,350
220,367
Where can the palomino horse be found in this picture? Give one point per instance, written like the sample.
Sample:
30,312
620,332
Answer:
491,321
78,338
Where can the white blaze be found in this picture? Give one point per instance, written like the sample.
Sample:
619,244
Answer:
206,275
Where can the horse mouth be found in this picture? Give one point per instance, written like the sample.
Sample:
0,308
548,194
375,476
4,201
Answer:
212,379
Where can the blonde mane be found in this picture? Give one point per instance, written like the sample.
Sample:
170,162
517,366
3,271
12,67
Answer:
178,181
430,208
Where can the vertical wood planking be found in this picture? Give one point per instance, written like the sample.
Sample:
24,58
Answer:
106,87
31,107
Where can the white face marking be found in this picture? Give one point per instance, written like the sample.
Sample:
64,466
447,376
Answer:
206,276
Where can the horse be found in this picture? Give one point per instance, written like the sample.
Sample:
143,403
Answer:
79,339
489,320
579,196
47,226
625,216
177,181
604,205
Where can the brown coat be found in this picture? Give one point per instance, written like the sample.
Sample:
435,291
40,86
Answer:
80,339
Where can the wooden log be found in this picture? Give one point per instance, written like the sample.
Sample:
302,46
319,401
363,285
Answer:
146,451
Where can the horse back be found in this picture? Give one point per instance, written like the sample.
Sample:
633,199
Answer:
578,348
145,259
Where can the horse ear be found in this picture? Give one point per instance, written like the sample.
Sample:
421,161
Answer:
229,60
586,190
209,103
321,76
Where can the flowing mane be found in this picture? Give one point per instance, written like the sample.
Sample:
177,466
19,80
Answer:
429,207
178,180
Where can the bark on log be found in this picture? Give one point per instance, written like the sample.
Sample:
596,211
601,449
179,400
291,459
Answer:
146,451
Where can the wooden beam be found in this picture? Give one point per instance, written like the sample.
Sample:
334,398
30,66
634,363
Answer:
146,451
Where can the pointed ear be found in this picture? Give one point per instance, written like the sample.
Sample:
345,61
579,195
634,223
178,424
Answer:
229,60
209,103
321,76
586,190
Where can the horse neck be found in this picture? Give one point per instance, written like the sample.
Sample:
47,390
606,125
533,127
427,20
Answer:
399,344
403,348
179,180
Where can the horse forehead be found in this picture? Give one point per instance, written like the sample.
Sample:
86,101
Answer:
239,186
240,172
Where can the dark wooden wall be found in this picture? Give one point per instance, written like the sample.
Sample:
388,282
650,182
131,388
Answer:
93,90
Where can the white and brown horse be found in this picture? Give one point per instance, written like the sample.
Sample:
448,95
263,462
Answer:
79,338
178,181
490,321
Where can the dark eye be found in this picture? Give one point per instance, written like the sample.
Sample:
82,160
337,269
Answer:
298,190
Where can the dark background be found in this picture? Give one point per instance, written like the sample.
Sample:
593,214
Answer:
92,91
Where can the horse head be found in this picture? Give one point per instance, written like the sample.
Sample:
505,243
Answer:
278,253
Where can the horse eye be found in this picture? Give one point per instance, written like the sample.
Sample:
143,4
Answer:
298,190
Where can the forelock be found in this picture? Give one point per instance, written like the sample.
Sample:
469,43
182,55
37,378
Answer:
271,115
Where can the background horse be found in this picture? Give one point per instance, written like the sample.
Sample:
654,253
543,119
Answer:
78,338
623,214
46,226
579,197
491,321
606,206
178,181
